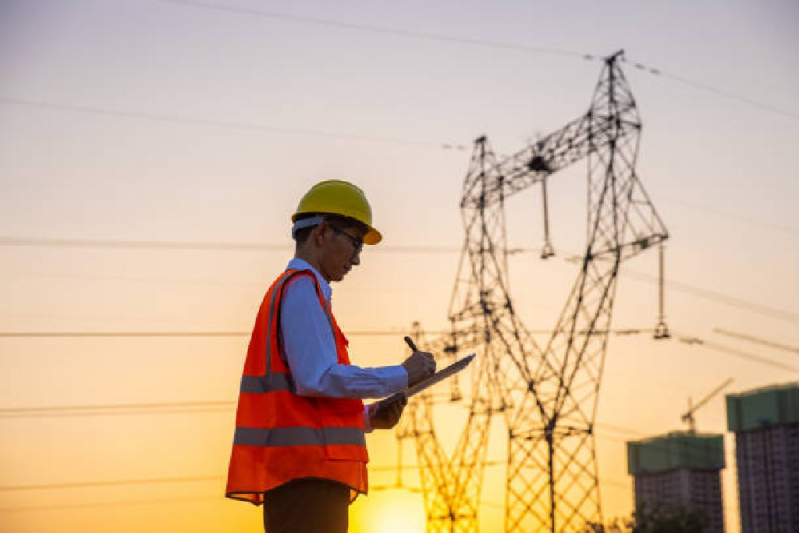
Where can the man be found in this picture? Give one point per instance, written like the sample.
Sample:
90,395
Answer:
299,447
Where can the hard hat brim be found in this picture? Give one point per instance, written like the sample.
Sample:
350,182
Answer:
372,236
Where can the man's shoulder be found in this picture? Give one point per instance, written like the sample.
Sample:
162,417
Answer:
301,277
300,282
298,265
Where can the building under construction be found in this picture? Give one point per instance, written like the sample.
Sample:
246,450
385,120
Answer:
766,426
679,470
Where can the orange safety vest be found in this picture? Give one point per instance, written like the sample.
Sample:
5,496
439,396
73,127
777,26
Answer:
281,435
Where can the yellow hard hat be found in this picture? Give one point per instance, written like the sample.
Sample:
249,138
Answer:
338,197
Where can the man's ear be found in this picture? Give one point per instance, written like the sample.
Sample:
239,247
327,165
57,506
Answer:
318,232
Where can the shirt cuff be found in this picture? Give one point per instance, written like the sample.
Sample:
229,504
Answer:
367,418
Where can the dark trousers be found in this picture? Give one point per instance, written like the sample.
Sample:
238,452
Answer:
308,505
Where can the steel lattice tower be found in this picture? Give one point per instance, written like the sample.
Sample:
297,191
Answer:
548,394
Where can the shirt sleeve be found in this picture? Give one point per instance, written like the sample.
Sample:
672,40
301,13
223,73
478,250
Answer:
310,351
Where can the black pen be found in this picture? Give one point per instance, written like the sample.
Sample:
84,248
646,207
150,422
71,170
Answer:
409,342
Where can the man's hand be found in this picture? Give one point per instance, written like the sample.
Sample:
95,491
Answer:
419,365
388,415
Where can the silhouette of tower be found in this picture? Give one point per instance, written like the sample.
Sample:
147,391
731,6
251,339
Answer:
547,394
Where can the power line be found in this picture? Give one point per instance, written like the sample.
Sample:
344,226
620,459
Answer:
133,412
757,340
161,501
165,480
751,357
714,90
227,405
483,43
109,483
381,29
141,245
716,296
732,301
140,481
398,332
123,503
139,115
203,246
571,173
695,341
729,214
120,334
116,409
687,339
174,334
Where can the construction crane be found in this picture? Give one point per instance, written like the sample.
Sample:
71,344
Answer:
547,394
688,416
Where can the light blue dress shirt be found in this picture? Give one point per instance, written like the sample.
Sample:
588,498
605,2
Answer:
310,347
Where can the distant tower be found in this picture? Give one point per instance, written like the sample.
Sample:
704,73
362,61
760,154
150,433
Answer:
766,426
680,469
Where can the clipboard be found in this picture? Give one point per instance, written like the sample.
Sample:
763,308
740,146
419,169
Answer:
441,375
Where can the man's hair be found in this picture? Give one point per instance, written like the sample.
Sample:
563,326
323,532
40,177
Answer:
339,221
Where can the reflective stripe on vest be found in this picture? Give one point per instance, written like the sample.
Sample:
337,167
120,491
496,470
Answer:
298,436
273,308
262,384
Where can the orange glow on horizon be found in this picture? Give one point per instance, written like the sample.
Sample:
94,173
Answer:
388,511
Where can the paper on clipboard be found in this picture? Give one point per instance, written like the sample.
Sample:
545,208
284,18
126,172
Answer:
441,375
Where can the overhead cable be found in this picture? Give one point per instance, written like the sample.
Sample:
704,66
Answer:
242,333
105,504
381,29
715,296
757,340
139,115
480,42
714,90
672,285
109,483
696,341
116,409
200,245
735,216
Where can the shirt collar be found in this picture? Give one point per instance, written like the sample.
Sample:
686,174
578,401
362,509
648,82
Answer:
301,264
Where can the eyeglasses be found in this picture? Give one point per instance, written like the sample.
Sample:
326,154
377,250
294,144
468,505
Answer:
357,244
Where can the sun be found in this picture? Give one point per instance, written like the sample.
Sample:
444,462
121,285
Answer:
388,511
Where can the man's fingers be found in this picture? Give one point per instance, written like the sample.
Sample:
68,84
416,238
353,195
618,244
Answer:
431,364
419,366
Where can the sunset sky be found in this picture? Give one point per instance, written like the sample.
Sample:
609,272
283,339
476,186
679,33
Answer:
152,152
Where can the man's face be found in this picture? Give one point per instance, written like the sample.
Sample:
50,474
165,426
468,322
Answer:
341,249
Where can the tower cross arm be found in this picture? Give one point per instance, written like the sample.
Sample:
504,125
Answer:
611,120
536,161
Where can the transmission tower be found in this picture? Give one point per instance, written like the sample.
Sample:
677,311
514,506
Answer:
548,395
